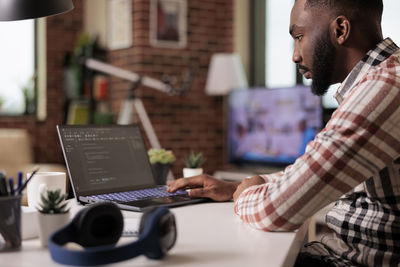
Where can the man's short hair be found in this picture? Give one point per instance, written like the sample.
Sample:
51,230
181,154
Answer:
366,14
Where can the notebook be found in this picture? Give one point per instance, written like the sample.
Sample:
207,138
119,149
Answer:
110,163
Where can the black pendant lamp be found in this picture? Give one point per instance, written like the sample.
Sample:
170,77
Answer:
30,9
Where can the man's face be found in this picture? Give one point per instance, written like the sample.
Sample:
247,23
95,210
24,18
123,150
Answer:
314,53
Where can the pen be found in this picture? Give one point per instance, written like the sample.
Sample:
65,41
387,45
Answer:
19,180
19,191
11,184
3,185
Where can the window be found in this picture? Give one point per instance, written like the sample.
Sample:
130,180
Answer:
17,68
279,68
390,20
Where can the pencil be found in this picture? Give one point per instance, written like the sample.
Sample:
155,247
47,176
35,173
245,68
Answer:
19,191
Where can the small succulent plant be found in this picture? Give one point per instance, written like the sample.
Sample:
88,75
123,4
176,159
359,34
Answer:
53,202
194,160
161,156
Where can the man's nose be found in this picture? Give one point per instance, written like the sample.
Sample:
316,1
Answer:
296,56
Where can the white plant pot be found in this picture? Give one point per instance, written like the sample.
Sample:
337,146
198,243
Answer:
49,223
189,172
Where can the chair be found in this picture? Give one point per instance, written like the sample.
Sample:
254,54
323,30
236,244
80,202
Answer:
16,154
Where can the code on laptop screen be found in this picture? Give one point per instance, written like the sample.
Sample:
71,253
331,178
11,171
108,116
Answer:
103,159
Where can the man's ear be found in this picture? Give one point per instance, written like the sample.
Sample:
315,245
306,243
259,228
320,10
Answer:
340,27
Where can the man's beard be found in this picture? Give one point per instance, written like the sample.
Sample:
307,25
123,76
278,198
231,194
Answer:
322,68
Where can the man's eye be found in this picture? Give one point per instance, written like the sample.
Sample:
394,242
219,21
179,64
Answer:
298,37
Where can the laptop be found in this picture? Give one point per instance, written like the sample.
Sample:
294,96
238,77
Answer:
110,163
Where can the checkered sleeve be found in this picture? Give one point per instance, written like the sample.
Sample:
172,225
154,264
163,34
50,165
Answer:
361,138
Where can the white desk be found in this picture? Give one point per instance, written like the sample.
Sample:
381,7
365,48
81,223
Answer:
209,234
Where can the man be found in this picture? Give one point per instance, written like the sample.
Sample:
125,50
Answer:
354,160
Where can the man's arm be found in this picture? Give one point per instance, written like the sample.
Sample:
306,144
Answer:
246,183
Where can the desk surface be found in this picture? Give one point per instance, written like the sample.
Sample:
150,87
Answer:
209,234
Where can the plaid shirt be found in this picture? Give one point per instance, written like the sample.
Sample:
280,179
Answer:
355,161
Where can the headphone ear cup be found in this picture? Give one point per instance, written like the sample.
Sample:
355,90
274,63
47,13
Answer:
158,228
99,224
144,218
77,220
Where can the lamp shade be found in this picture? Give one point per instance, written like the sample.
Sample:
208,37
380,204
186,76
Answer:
225,74
29,9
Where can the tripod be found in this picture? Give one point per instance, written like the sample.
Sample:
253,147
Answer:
133,103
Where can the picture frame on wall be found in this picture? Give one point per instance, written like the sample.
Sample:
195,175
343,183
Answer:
168,23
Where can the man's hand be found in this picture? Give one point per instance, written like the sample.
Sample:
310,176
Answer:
254,180
205,186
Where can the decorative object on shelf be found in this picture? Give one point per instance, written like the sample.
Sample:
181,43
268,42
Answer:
168,23
53,214
161,161
78,112
193,163
28,90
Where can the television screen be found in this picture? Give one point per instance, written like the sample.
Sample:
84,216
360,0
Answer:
271,125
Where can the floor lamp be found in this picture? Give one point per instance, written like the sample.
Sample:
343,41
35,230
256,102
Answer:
133,103
225,74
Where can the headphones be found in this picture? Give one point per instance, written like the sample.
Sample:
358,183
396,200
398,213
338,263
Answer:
98,228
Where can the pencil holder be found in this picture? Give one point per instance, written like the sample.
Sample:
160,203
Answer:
10,223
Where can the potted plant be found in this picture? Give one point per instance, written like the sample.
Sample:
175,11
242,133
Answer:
53,214
193,163
161,161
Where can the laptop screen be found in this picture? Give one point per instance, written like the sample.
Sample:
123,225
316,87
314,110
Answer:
105,159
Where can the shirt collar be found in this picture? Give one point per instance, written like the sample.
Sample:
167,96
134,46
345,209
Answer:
373,58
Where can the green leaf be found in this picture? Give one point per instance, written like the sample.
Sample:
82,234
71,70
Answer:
53,202
194,160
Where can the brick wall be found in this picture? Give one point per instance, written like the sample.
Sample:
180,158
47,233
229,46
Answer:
194,120
191,121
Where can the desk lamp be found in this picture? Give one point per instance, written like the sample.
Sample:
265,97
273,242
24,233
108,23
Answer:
30,9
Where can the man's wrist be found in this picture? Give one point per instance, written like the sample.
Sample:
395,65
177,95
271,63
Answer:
233,187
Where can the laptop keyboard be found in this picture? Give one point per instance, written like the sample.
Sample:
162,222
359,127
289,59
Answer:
135,195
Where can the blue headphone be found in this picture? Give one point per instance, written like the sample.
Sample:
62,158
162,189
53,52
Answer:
98,228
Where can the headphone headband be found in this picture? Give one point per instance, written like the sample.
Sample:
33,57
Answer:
98,218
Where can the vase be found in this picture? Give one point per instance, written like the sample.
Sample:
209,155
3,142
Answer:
160,172
189,172
49,223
